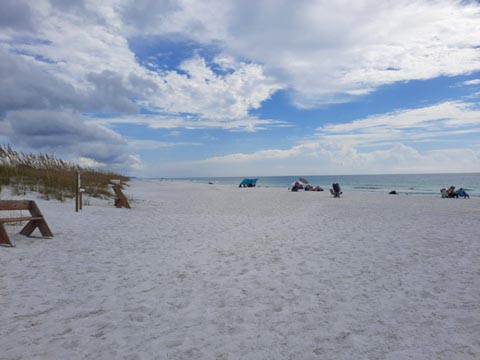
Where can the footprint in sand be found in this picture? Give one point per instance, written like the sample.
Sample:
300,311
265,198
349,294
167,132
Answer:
176,342
277,307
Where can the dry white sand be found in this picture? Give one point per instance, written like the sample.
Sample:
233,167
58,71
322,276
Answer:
215,272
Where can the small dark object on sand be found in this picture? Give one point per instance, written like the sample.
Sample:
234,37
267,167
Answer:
393,192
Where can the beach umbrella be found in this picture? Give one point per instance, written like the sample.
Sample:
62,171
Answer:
305,181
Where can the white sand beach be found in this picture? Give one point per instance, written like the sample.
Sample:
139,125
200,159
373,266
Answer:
197,271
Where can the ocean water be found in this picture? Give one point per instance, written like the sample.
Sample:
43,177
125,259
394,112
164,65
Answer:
403,184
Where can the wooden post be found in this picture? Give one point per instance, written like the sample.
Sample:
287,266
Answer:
79,190
76,190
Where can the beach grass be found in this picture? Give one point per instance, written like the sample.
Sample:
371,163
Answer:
50,176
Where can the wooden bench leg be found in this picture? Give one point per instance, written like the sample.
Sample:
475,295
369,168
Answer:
33,224
44,229
4,239
120,200
30,227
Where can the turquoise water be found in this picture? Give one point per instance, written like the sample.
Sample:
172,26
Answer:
406,184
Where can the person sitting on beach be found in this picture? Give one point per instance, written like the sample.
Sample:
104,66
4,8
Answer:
463,193
336,191
452,193
297,186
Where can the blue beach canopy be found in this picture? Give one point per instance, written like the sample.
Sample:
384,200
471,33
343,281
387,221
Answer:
246,182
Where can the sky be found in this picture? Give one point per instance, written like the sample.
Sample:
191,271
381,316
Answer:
185,88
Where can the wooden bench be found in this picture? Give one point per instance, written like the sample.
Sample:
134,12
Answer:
120,199
36,220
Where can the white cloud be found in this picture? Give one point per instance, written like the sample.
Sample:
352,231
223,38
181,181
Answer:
71,56
88,48
211,96
438,121
329,51
154,144
472,82
322,51
320,159
250,124
68,134
270,154
89,163
376,144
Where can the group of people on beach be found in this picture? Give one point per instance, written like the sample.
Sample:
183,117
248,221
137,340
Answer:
452,193
299,186
336,190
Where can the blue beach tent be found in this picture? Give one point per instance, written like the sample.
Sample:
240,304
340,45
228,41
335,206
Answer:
248,182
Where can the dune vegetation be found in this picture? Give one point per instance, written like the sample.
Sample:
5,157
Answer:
50,176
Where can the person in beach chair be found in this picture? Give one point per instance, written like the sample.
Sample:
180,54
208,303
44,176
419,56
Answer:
462,193
452,193
297,186
444,193
336,191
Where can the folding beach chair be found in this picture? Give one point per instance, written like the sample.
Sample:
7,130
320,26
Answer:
336,191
